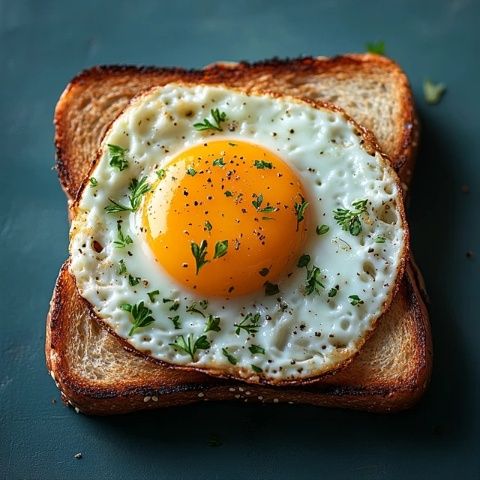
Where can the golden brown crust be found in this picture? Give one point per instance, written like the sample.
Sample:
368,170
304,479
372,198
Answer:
162,387
129,81
363,384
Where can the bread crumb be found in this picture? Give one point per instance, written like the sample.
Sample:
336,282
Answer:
147,399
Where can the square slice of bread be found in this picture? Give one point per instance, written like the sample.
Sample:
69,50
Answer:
97,375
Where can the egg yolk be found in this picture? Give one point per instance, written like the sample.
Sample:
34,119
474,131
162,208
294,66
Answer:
226,218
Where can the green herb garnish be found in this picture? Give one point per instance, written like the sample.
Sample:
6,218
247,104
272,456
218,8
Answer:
380,239
271,289
303,261
93,182
300,210
219,162
133,280
349,220
433,92
122,268
152,295
122,240
332,292
161,174
199,252
262,165
117,157
322,229
256,369
191,171
175,306
141,315
188,346
313,281
218,118
257,203
376,47
208,226
229,356
355,300
176,322
254,349
228,193
138,189
221,249
213,324
193,309
250,324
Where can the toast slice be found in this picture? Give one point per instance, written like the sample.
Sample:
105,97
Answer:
91,367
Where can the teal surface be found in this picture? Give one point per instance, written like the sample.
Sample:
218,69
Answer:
42,45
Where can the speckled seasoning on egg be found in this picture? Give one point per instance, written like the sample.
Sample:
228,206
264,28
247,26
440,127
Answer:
245,235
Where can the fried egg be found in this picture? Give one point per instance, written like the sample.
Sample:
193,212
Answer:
246,235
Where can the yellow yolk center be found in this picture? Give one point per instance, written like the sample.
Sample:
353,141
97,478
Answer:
223,219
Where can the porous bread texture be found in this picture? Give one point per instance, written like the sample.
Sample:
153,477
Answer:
98,376
372,89
94,372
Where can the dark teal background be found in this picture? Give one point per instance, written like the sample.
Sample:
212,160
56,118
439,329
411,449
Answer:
42,45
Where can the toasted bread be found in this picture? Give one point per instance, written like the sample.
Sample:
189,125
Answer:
94,371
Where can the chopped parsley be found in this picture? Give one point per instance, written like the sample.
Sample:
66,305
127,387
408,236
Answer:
221,249
122,268
254,349
271,289
161,174
141,316
176,322
218,118
213,324
355,300
349,220
303,261
199,252
208,226
122,240
332,292
152,295
262,165
193,309
229,356
228,193
219,162
251,324
300,210
117,157
93,182
133,280
191,171
256,369
190,347
322,229
376,47
313,281
175,306
137,189
433,92
257,203
380,239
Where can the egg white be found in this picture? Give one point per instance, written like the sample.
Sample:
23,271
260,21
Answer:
302,335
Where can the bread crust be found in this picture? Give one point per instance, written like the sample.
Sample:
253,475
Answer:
356,386
259,75
129,394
